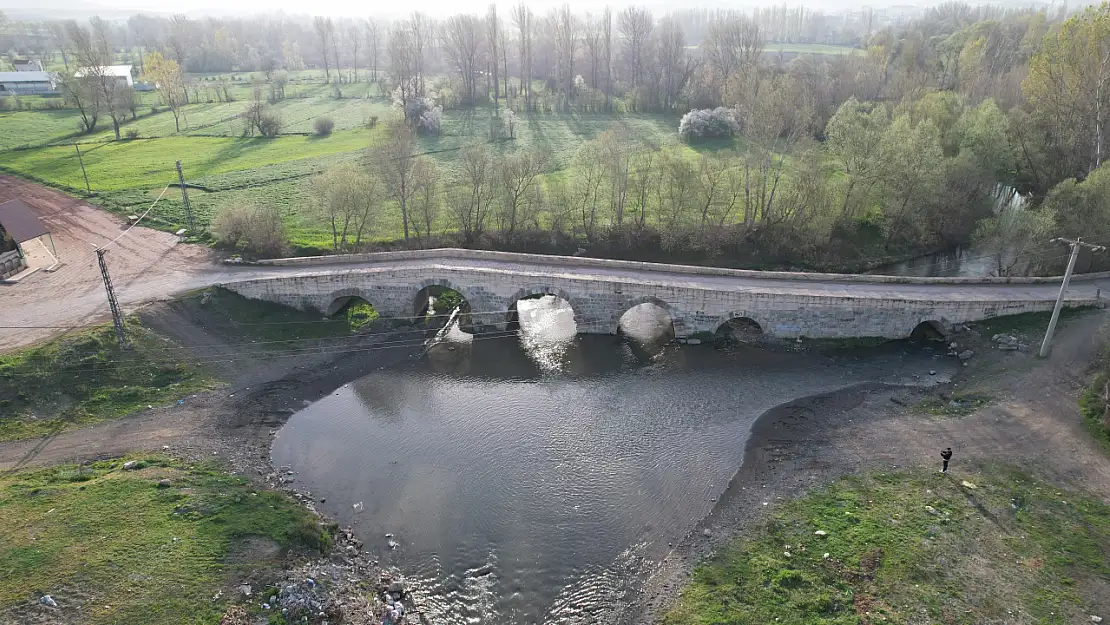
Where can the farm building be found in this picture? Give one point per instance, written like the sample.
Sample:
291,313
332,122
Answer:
16,83
19,225
119,72
27,65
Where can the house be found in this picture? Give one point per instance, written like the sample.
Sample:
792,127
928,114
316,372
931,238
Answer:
27,65
119,72
20,83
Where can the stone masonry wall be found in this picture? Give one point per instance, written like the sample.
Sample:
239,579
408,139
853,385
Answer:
598,303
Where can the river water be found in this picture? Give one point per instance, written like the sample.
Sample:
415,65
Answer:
531,476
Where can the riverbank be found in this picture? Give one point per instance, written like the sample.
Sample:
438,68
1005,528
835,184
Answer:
1032,419
263,369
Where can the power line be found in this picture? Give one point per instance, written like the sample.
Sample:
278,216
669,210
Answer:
141,217
227,357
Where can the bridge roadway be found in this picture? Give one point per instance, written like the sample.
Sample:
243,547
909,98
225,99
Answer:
699,299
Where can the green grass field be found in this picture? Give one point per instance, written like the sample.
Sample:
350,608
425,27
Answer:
912,547
112,546
224,168
83,377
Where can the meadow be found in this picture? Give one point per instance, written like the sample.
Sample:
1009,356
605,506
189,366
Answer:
222,167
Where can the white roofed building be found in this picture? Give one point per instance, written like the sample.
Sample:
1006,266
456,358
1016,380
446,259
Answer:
19,83
120,72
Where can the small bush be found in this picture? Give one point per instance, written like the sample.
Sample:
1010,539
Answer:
269,124
132,133
373,123
708,124
255,228
154,110
323,126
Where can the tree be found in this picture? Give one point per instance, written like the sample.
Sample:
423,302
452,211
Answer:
403,66
518,179
1010,236
733,44
1069,86
493,31
324,29
81,94
94,54
373,46
350,201
522,18
463,41
476,190
675,65
564,29
354,39
394,165
427,201
912,170
634,25
854,135
1083,209
170,83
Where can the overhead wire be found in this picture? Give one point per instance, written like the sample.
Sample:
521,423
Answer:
141,217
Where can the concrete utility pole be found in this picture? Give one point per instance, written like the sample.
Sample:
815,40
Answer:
117,316
185,200
1046,346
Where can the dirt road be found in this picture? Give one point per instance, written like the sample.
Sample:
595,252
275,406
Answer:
146,264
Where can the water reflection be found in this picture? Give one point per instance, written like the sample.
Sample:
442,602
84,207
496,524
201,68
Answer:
528,477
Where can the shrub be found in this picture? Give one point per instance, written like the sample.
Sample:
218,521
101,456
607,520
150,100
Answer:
132,133
373,123
707,124
255,228
323,126
269,124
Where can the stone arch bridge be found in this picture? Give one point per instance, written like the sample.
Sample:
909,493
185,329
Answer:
698,299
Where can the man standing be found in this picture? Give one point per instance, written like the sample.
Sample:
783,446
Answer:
946,455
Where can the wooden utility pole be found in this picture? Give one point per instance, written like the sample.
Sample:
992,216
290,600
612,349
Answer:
1046,346
82,161
117,316
185,200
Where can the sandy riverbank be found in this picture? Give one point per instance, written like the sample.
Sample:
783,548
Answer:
1033,420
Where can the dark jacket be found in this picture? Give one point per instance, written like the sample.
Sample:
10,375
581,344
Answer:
946,454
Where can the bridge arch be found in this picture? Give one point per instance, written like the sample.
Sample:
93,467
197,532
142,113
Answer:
338,300
436,289
648,305
930,328
740,328
512,318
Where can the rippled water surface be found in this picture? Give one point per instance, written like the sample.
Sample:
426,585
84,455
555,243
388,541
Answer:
525,477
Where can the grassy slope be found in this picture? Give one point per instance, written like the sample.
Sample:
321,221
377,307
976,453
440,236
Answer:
83,377
112,547
28,128
1010,545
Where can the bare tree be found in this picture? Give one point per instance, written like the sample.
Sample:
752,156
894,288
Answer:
323,32
607,39
178,39
422,32
733,44
593,40
635,25
522,18
463,42
427,202
373,46
675,64
349,200
493,30
474,193
564,29
354,40
518,178
394,164
402,64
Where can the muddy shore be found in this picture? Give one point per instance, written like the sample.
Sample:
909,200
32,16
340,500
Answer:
792,448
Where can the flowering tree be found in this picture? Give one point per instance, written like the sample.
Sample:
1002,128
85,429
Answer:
708,124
